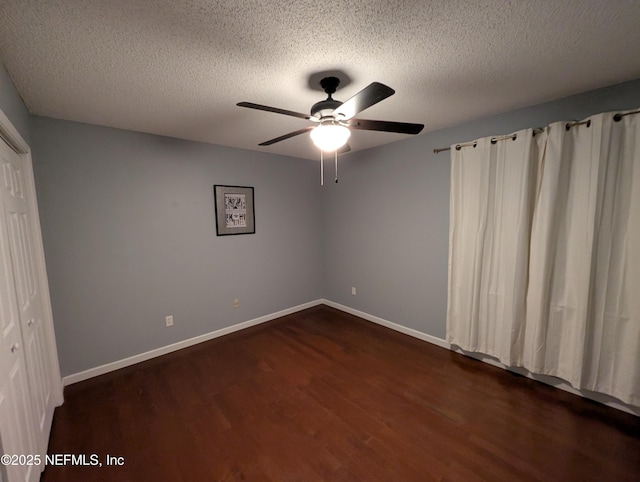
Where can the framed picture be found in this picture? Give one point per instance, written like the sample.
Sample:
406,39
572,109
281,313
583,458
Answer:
234,210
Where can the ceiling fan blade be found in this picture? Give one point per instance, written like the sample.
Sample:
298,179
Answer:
287,136
386,126
370,95
275,110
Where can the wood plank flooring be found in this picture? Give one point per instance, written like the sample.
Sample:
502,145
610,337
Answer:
321,395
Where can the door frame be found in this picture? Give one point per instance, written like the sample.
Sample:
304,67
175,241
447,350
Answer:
11,136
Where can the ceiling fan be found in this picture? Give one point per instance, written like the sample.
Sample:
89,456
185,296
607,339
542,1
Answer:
335,118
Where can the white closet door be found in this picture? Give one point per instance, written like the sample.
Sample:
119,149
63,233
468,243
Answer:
29,304
16,409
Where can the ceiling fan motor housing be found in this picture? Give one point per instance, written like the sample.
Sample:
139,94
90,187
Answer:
325,108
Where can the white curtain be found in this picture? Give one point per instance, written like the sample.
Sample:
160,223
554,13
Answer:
493,187
545,272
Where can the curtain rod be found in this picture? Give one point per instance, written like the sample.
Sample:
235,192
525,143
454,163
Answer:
537,130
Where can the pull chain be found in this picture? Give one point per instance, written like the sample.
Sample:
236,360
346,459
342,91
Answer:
321,168
336,157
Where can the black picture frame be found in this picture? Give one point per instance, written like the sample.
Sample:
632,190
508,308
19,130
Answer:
235,210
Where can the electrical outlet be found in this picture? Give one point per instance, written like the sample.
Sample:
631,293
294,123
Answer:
169,320
236,303
353,290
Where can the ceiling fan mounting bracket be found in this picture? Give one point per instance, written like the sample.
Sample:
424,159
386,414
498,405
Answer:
330,85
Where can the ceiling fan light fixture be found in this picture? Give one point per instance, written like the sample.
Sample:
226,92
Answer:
330,136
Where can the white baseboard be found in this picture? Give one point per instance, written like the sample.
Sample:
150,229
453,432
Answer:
555,382
132,360
547,380
389,324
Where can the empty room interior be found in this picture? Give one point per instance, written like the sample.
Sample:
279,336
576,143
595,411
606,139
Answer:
335,241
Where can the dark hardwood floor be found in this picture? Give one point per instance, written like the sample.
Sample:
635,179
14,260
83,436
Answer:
323,395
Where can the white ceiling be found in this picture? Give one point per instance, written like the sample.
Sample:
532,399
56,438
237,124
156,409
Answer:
178,67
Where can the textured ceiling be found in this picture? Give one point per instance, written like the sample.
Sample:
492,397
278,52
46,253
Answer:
178,67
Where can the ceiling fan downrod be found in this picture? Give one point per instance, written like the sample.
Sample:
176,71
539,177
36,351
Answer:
324,108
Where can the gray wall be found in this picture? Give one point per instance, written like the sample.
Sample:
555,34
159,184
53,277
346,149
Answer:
12,105
387,221
129,234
